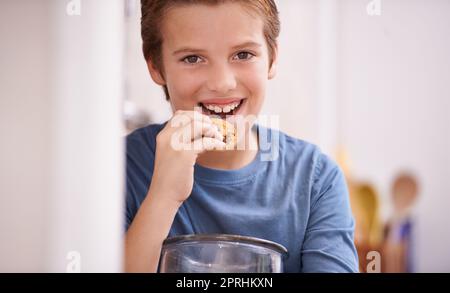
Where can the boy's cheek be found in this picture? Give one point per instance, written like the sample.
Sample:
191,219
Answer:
256,73
255,81
184,88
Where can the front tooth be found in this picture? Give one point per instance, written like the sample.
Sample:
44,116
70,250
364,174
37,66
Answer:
227,109
210,107
217,109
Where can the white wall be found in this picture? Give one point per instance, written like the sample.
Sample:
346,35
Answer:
25,148
291,94
87,176
61,156
394,76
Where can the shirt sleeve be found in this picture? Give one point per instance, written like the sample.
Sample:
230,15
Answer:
139,170
328,244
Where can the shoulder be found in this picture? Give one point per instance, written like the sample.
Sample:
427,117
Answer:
141,147
298,151
143,139
319,160
145,135
304,159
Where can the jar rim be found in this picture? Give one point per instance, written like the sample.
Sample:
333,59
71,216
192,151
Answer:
225,238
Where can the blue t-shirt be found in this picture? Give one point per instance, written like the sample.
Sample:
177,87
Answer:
291,193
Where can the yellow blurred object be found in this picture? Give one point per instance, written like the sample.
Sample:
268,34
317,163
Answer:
366,211
365,204
343,161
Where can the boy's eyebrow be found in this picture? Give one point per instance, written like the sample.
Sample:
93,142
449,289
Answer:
247,44
193,50
188,49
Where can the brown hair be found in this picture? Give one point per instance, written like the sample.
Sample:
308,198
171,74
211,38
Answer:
153,12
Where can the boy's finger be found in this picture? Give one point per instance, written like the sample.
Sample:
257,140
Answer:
195,130
213,132
207,144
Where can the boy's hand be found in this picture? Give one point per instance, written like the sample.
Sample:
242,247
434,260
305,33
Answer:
178,144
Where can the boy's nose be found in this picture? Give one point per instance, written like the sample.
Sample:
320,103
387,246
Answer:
221,79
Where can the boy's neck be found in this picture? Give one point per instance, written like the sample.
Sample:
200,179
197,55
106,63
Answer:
230,160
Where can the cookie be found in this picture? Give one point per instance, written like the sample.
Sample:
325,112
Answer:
228,131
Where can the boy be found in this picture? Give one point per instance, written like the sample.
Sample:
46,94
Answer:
213,58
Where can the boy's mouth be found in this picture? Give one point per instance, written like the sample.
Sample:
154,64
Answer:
221,108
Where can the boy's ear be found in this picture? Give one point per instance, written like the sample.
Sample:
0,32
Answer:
155,74
273,67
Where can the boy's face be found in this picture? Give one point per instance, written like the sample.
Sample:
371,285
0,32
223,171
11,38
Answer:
215,57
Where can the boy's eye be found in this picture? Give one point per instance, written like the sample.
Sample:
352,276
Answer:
191,59
244,55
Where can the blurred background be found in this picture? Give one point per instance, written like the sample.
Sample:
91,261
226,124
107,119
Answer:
367,81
